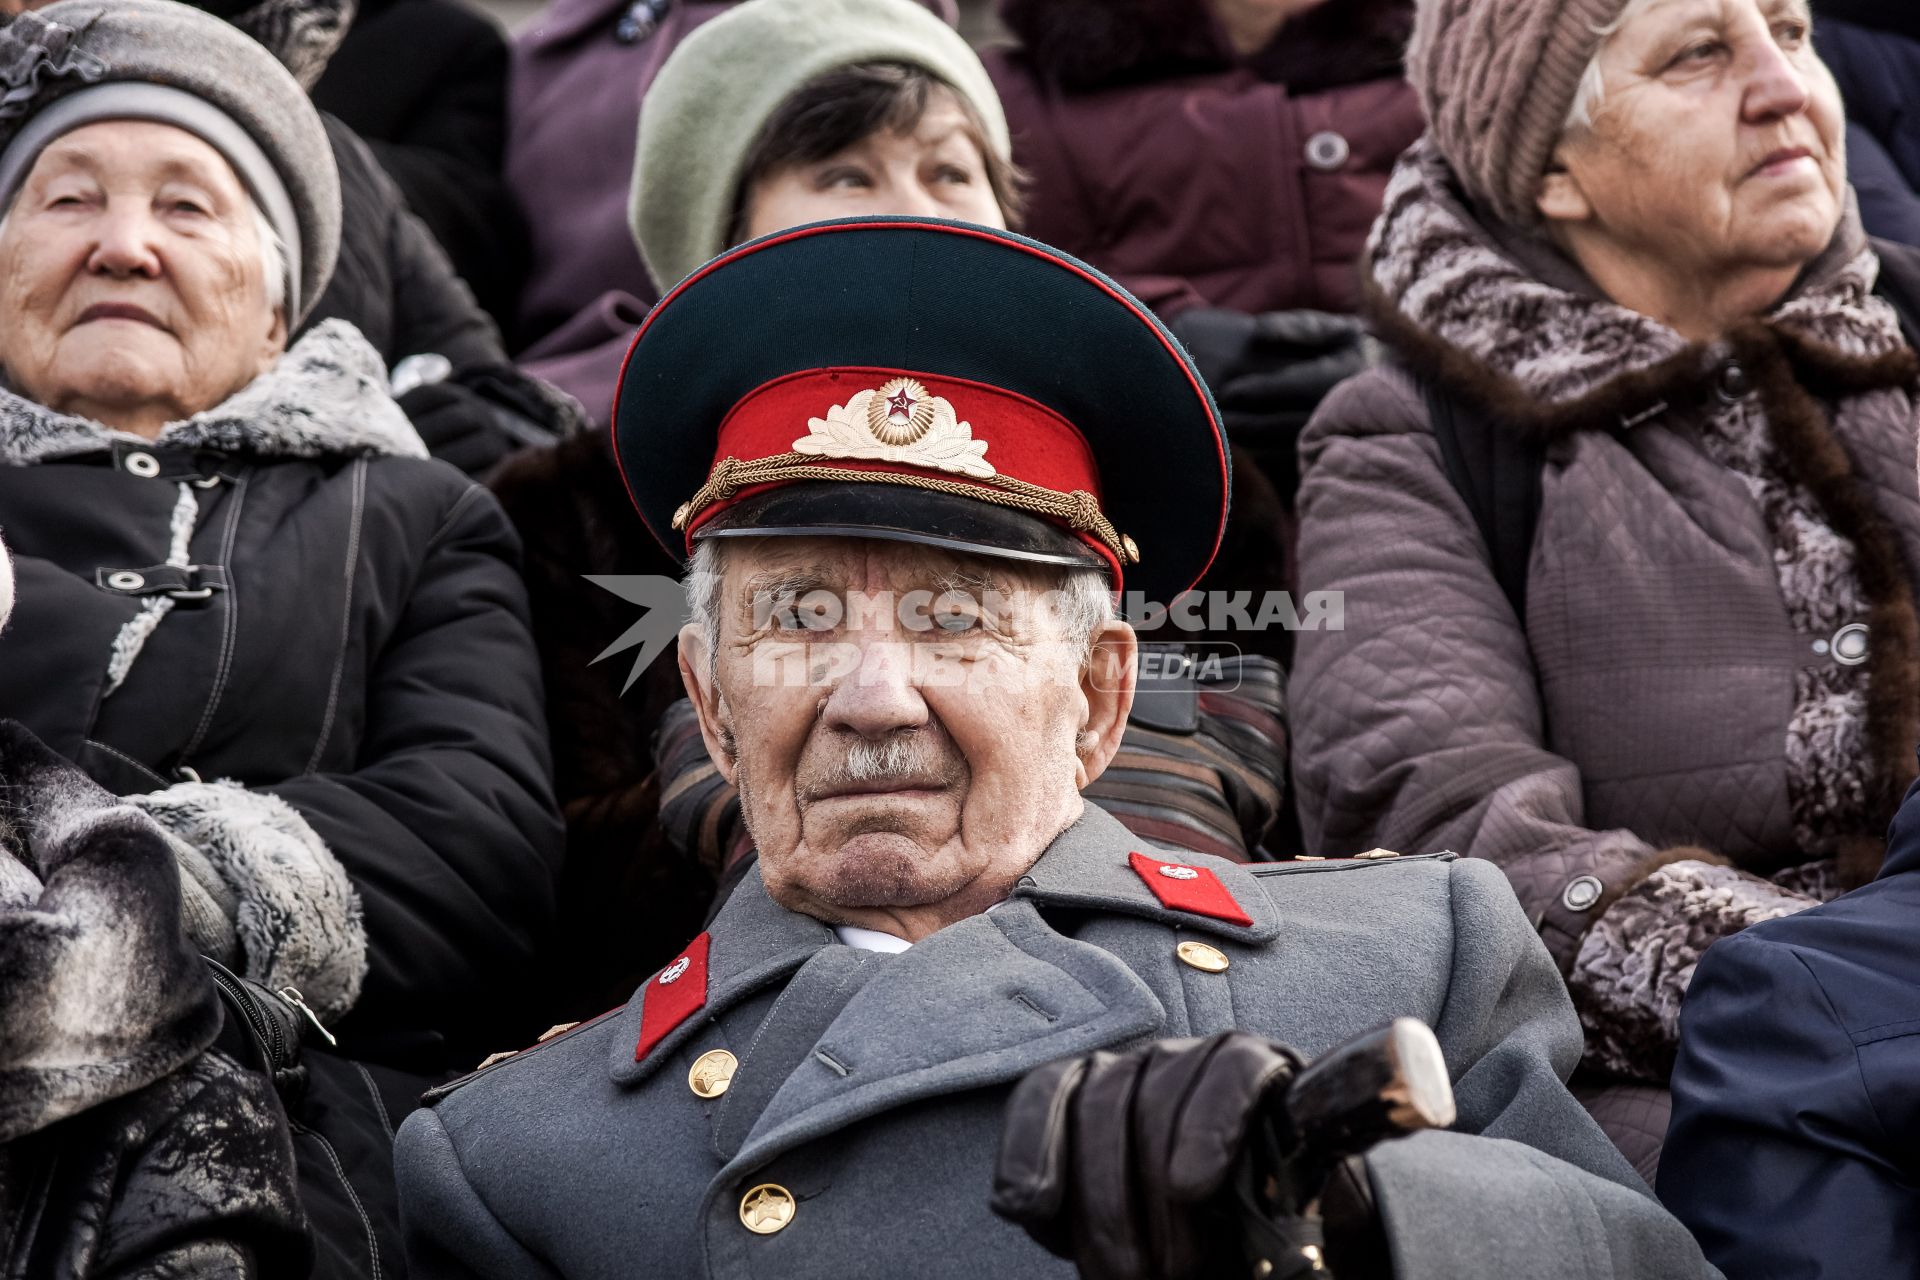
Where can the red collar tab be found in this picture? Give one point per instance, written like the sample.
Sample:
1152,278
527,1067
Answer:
672,996
927,429
1193,889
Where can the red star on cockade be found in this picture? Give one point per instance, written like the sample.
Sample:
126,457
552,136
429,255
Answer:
900,403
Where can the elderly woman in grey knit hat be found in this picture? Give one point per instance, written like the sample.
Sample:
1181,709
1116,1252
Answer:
248,600
1628,532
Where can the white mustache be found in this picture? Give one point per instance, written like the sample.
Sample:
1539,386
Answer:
875,761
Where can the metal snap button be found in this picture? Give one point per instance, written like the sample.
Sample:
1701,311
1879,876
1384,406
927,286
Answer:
712,1072
1582,893
766,1209
144,465
1327,150
126,580
1850,644
1733,384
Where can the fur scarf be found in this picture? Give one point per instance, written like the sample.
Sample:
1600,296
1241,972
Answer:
325,397
1083,45
101,993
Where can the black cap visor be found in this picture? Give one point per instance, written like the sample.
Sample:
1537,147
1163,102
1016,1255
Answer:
901,514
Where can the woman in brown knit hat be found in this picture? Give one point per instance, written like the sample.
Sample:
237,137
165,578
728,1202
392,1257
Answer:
1628,530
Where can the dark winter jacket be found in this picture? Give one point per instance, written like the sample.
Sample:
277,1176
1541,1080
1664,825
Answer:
425,83
305,647
128,1148
1198,178
1895,16
394,284
1878,72
1795,1147
1708,713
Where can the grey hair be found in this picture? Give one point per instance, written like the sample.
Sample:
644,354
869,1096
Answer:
1593,85
1081,598
273,257
273,251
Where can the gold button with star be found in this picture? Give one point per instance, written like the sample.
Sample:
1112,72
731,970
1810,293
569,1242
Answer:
712,1072
766,1209
1202,957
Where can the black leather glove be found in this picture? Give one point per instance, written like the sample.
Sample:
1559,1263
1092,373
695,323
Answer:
1122,1162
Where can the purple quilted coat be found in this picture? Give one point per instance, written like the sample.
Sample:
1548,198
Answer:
1708,714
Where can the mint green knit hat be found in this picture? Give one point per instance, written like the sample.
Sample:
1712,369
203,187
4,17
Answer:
714,94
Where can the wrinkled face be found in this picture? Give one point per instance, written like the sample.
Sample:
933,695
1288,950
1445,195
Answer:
936,170
1718,144
131,278
908,728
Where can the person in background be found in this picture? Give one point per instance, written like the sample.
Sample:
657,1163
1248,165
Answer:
1684,698
394,281
424,82
248,599
1223,158
1795,1144
1873,50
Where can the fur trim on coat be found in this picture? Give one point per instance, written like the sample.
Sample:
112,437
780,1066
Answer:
101,994
296,914
1083,45
326,397
1637,961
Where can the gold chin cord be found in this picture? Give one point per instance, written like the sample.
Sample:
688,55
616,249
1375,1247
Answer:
1078,508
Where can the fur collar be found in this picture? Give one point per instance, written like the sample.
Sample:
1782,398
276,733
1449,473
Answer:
1091,44
100,992
1501,318
326,397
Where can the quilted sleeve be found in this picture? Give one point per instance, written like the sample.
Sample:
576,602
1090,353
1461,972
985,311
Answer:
1418,727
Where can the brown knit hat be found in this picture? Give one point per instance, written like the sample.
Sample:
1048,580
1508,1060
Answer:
1496,79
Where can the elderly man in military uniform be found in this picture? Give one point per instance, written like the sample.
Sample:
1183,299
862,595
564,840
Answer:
913,463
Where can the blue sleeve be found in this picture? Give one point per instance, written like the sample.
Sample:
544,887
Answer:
1889,207
1775,1158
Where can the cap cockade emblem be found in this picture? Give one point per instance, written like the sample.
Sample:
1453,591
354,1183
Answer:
900,422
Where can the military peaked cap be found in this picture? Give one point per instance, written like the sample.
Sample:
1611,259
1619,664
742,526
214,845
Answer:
926,381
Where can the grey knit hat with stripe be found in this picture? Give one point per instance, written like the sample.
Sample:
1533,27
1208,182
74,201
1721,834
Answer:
79,62
1496,79
705,109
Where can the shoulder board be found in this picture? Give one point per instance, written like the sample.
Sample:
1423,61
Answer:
494,1062
1318,866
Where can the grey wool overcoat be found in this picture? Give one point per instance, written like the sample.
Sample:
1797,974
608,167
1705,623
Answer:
870,1087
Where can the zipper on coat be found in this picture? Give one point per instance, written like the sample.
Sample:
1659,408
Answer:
265,1029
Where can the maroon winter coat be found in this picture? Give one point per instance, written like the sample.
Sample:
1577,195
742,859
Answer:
573,115
1196,177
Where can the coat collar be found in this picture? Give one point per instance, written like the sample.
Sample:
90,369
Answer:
755,942
1087,866
326,397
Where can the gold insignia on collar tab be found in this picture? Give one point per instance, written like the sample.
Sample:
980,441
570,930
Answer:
899,422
